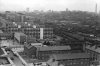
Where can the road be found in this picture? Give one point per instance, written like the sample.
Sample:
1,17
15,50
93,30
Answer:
15,59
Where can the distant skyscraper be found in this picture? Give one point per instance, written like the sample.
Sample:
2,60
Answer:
96,8
67,9
27,9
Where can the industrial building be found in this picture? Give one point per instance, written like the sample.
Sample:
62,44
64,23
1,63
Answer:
94,52
70,59
30,29
43,52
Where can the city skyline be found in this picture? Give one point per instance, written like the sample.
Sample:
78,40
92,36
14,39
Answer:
56,5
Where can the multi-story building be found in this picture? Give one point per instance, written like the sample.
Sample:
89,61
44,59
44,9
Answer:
6,35
43,52
37,31
94,52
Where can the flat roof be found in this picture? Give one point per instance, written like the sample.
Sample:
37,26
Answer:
48,48
70,56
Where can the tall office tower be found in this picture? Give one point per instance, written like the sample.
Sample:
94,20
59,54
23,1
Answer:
96,8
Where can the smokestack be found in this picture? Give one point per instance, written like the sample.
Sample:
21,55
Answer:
96,8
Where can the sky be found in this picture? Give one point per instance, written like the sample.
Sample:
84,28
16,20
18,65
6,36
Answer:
56,5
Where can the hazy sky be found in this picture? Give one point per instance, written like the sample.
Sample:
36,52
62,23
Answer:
20,5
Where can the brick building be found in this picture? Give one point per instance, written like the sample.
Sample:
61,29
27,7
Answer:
94,53
30,29
43,52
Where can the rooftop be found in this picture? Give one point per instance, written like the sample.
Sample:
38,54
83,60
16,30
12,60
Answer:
70,56
93,48
29,60
48,48
1,52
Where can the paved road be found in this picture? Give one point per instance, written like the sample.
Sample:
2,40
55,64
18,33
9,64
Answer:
16,60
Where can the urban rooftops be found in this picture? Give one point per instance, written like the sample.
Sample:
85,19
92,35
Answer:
70,56
50,48
93,48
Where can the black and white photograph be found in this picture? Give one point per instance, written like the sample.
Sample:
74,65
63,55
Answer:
49,32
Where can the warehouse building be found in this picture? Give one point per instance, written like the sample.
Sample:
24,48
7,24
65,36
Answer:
43,52
94,52
71,59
